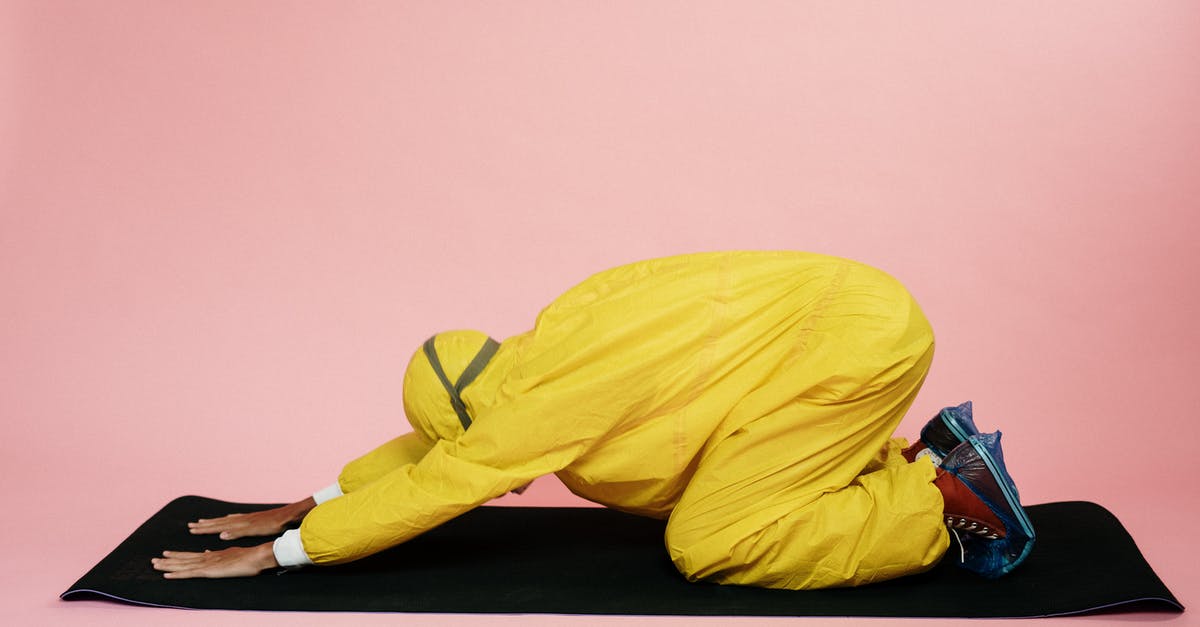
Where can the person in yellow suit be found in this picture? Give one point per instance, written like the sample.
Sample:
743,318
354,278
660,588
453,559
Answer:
748,398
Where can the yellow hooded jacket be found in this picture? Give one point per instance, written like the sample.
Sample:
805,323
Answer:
625,384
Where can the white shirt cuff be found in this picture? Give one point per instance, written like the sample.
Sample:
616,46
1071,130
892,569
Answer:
325,494
289,550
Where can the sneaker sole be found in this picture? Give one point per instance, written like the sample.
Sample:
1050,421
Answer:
1009,489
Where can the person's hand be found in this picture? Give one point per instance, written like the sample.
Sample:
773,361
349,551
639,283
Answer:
231,562
269,522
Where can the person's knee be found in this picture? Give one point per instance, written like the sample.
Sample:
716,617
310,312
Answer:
717,558
706,549
685,548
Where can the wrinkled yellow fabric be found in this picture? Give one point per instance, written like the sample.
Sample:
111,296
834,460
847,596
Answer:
406,449
749,397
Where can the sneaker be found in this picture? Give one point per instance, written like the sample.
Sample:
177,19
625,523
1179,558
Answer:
966,512
949,428
978,463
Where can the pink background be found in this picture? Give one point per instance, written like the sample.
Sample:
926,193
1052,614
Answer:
224,226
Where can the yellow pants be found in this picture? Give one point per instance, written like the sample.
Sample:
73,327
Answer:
815,493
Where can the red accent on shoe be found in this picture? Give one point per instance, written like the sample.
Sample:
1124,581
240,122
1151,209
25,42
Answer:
913,449
965,511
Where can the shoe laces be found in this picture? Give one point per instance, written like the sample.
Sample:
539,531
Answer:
962,550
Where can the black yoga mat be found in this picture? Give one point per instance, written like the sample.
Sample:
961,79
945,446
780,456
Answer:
599,561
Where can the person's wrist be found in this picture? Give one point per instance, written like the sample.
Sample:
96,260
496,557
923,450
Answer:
265,556
298,510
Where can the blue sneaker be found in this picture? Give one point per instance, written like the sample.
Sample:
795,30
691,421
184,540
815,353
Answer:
949,428
979,464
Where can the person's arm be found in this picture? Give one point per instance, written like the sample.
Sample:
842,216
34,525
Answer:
544,417
409,501
406,449
244,562
508,446
239,561
381,514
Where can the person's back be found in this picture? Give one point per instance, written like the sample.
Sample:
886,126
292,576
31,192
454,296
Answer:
645,362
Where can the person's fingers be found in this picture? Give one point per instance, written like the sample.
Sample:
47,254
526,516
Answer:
177,559
215,520
220,517
175,569
185,554
190,574
211,525
229,528
227,531
208,522
238,529
176,564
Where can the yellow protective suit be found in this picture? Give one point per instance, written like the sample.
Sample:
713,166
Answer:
748,396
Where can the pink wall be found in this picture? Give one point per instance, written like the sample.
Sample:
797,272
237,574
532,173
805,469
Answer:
225,225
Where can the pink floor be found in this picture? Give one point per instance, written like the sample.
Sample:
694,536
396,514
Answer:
224,226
